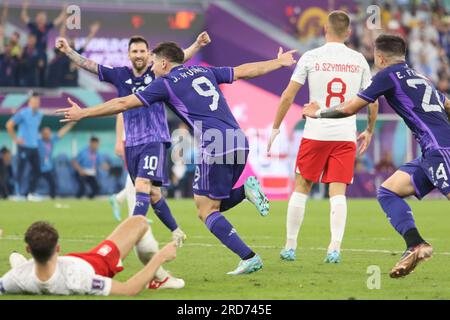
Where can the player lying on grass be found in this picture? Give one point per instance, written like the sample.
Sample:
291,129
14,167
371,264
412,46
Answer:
193,93
426,112
87,273
143,150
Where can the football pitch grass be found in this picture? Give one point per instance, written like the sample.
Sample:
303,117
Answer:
203,262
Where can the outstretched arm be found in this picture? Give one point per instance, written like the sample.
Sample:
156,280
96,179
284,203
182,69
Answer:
24,13
140,280
75,57
62,16
113,106
256,69
343,110
4,13
64,130
92,32
202,40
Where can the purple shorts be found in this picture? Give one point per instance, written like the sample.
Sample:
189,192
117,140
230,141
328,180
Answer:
148,161
430,171
216,176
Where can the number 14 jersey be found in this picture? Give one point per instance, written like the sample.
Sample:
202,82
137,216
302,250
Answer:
335,74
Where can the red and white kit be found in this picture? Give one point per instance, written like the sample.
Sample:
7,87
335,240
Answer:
335,74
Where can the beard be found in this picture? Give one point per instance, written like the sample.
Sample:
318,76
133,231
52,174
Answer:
139,65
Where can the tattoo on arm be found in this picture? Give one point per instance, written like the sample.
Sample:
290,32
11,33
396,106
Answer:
83,62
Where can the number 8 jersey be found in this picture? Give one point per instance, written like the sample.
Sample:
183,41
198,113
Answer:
335,74
193,94
414,98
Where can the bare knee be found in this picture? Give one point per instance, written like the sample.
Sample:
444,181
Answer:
302,185
206,206
139,223
143,185
155,194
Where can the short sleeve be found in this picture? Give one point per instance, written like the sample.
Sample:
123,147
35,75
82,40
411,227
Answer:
223,74
154,92
107,73
8,284
366,74
301,70
18,117
381,84
98,286
80,157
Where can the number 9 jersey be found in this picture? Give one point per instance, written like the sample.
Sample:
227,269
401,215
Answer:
335,74
194,95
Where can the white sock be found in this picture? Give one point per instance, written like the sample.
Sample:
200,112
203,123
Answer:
295,214
131,195
146,248
338,217
120,197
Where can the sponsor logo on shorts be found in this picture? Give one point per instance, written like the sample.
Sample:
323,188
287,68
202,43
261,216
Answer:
104,250
231,232
445,185
151,173
98,284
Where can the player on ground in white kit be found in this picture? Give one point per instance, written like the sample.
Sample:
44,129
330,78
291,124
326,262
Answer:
88,273
335,73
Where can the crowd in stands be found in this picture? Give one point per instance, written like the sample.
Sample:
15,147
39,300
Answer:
26,63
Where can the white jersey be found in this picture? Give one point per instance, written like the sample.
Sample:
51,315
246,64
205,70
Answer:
73,276
335,74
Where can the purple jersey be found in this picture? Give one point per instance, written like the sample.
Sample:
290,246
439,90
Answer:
193,94
414,98
142,125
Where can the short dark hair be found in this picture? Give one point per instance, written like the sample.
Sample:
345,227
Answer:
94,139
4,150
171,51
137,39
42,239
339,22
391,44
34,94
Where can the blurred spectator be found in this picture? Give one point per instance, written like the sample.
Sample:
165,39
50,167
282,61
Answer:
86,165
6,173
29,64
183,155
40,28
47,143
8,63
28,120
386,165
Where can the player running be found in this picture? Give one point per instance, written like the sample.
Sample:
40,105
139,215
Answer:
426,112
327,151
193,93
145,150
87,273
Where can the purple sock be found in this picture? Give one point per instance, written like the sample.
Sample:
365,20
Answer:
236,197
224,231
163,212
397,210
142,204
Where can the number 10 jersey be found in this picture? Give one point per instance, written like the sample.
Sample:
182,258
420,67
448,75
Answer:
335,74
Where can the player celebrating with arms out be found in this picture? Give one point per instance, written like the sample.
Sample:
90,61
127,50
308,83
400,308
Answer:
86,273
145,149
193,93
426,112
335,73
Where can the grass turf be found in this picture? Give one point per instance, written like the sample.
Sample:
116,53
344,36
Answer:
203,261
